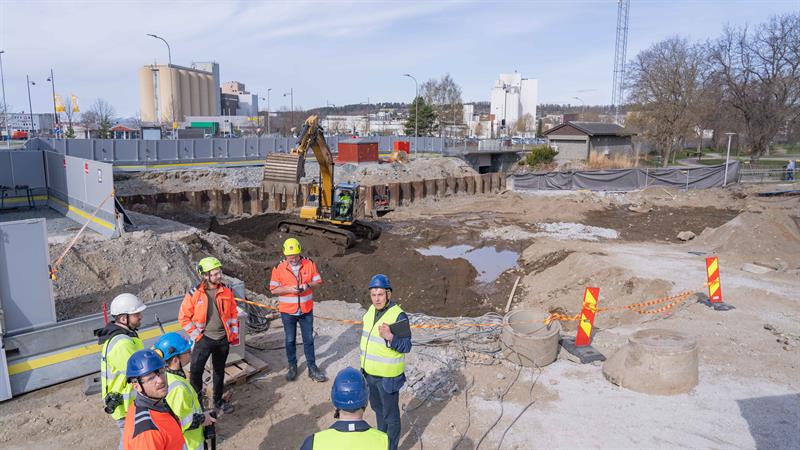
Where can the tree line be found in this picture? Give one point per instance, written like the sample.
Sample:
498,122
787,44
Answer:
745,81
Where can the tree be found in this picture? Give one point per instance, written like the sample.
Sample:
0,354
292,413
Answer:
444,95
427,118
100,115
478,129
539,127
525,124
760,75
664,82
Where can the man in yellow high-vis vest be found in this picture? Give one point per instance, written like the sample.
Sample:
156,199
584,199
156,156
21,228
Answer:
383,357
119,341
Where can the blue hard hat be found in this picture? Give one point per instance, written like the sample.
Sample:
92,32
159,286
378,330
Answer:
172,344
143,362
349,391
380,281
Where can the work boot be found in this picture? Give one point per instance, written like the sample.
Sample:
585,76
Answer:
223,406
317,375
291,374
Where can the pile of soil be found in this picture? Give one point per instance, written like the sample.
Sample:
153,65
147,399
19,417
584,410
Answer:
660,223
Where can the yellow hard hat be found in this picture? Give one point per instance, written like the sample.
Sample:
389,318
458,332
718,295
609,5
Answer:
291,247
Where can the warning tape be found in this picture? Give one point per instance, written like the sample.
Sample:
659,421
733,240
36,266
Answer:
673,301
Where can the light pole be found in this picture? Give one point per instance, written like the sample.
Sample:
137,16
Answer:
30,104
5,105
583,104
416,112
291,98
171,84
727,158
52,81
268,91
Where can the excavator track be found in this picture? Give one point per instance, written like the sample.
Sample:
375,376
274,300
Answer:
366,230
343,238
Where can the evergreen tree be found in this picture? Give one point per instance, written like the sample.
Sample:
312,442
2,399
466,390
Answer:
104,130
427,118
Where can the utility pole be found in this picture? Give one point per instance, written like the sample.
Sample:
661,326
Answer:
52,81
30,104
727,158
416,113
620,50
5,105
291,98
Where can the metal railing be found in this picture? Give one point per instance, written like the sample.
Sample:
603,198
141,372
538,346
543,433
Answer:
767,175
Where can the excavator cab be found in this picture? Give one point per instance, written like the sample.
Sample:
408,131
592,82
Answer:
345,199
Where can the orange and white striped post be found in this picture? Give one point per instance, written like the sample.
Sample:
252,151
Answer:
714,285
584,336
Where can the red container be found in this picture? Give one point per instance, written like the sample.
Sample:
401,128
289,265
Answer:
402,146
355,151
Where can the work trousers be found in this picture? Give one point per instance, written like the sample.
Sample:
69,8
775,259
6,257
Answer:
387,409
306,322
121,426
218,351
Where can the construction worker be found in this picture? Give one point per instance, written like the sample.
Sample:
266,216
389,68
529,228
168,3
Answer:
292,281
150,424
119,341
345,202
349,396
181,397
209,316
382,356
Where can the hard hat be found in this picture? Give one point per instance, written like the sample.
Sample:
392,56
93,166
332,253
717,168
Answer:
172,344
208,264
349,391
126,304
291,247
380,281
143,362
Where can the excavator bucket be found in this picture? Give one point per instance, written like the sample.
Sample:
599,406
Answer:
284,168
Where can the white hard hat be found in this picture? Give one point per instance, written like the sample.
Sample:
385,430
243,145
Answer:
126,304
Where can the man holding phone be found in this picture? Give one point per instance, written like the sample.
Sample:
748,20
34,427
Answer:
293,280
385,339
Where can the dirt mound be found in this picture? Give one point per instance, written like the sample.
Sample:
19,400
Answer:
153,266
417,170
659,223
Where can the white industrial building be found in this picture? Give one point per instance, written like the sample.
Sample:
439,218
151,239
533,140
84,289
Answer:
513,97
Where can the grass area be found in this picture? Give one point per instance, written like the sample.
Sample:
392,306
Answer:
785,149
692,153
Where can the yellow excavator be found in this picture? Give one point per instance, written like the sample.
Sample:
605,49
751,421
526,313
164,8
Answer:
330,210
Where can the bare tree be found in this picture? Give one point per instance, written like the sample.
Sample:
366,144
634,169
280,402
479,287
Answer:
478,129
760,73
664,83
444,95
525,124
100,114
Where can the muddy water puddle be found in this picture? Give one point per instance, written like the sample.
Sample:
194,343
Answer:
488,261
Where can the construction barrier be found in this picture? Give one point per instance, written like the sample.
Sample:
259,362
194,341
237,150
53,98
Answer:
714,285
590,297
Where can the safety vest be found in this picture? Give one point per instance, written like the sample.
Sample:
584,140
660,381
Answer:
194,309
184,403
376,357
114,356
331,439
282,275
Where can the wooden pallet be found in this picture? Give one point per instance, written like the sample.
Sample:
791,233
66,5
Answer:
235,373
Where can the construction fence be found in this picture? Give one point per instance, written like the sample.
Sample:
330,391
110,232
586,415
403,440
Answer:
136,154
79,188
628,179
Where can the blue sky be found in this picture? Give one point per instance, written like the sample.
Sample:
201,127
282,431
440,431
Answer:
342,52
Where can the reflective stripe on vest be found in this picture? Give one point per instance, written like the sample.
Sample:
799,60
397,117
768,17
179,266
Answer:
331,439
376,357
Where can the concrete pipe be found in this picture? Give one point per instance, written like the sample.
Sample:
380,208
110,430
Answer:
527,340
661,362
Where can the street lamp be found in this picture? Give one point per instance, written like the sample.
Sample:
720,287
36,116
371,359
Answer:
52,81
171,84
268,91
583,104
291,97
5,105
30,104
416,112
727,158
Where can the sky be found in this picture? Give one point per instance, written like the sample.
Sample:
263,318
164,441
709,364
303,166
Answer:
342,52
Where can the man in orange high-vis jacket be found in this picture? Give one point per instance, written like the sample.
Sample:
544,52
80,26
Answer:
292,281
209,316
